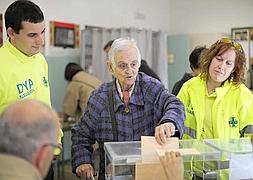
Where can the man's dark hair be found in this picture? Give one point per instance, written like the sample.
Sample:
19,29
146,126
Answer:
22,10
109,44
194,57
71,70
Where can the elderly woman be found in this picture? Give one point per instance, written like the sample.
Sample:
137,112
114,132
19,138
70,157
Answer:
131,106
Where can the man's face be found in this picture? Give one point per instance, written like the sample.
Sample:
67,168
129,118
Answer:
126,67
30,38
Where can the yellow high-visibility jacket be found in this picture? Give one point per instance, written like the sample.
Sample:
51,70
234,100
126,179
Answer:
22,77
232,111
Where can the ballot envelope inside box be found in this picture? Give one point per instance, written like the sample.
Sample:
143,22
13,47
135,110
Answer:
236,157
140,159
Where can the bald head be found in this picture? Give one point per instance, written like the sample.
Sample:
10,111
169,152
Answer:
29,124
29,111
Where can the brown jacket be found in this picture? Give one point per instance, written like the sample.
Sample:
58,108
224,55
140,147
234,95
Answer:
78,92
16,168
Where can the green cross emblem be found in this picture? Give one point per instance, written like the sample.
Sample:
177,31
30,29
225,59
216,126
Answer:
190,110
233,122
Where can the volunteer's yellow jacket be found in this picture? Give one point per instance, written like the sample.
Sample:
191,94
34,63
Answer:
23,77
232,111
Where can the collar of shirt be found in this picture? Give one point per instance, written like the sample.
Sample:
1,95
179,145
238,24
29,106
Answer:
21,56
136,94
120,91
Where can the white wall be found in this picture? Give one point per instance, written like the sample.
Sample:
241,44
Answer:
209,16
107,13
174,16
205,39
150,14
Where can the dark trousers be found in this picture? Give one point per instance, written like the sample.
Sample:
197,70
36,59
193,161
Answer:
50,174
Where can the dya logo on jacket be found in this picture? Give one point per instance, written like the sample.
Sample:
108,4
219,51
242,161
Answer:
25,88
45,81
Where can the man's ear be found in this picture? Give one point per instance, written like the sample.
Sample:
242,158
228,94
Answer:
10,32
109,66
39,159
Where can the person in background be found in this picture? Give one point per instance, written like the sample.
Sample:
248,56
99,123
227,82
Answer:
24,70
194,65
144,65
132,105
217,103
28,130
78,91
173,165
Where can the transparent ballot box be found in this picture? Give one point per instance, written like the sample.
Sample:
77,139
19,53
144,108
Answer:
200,166
121,158
236,157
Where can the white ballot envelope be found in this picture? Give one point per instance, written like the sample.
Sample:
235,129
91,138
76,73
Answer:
241,166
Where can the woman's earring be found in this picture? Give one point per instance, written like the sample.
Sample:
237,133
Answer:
231,76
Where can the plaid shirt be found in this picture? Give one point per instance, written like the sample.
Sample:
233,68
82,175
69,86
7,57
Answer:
150,105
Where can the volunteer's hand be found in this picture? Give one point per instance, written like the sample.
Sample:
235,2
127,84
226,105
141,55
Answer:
172,163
